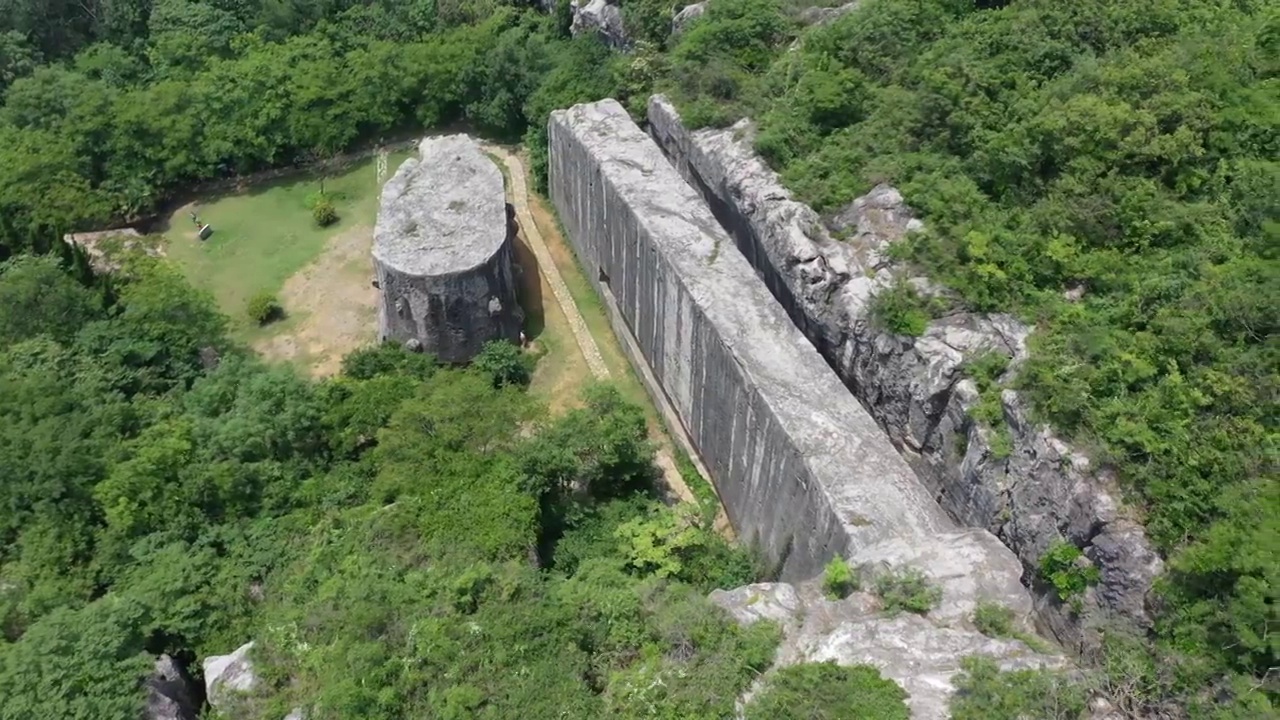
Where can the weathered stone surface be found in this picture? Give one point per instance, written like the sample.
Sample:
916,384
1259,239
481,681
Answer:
687,14
915,388
600,16
170,693
443,252
824,15
919,653
226,676
801,467
970,567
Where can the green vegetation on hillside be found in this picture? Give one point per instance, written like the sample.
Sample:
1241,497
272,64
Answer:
401,541
1123,150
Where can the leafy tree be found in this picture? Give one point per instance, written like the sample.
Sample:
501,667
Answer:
504,363
41,299
101,642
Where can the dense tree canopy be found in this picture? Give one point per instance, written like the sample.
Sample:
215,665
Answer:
391,538
1123,151
377,540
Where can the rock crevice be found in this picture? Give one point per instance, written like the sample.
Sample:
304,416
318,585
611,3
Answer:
916,388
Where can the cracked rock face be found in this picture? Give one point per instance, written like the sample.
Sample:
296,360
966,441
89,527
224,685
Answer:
169,692
687,14
600,16
920,653
226,676
915,387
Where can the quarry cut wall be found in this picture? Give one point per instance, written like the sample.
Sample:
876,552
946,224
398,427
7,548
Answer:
443,253
802,469
915,388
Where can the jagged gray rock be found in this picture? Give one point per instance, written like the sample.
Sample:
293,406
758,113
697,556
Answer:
824,15
228,676
169,692
915,387
969,567
687,14
442,251
920,653
600,16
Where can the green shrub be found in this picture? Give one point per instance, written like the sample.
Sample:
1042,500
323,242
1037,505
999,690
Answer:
1064,567
324,213
826,691
901,310
993,620
983,692
386,359
263,307
838,580
503,362
907,589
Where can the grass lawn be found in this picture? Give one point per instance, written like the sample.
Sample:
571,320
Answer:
264,235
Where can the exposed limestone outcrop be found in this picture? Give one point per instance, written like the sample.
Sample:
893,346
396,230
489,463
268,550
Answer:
229,676
920,653
915,387
687,14
824,15
600,16
170,693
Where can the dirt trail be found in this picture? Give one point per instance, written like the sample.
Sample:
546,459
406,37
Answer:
335,305
586,343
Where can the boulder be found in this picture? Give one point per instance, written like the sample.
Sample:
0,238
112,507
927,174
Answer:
917,652
226,676
824,15
1042,492
687,14
170,692
600,16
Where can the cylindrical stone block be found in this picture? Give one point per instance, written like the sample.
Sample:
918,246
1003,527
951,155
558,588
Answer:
442,251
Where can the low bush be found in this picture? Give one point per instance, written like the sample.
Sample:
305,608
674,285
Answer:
984,692
263,308
1064,568
838,580
324,213
503,362
993,620
826,691
907,589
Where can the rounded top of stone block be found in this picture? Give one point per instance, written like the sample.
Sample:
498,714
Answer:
443,212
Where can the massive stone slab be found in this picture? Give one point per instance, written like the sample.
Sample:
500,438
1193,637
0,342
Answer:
802,469
442,251
1042,492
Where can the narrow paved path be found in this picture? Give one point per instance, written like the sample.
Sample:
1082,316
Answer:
586,343
520,200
